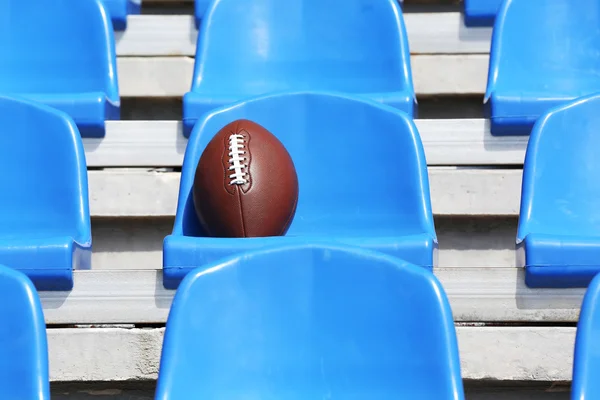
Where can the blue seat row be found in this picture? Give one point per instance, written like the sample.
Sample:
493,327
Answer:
558,240
287,322
543,54
45,212
292,322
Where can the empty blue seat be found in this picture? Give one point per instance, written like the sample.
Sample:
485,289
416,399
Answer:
62,56
310,322
586,362
23,342
559,224
543,54
45,227
480,12
250,48
362,175
120,9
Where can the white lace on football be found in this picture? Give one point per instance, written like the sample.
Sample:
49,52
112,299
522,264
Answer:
237,161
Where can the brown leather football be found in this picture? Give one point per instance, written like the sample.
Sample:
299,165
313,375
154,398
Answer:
245,183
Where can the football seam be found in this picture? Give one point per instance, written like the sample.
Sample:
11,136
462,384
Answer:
239,194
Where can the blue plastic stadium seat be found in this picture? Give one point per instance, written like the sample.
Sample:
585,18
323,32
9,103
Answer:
62,56
250,48
481,12
310,322
23,343
543,54
559,226
120,9
200,7
586,362
361,170
45,227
